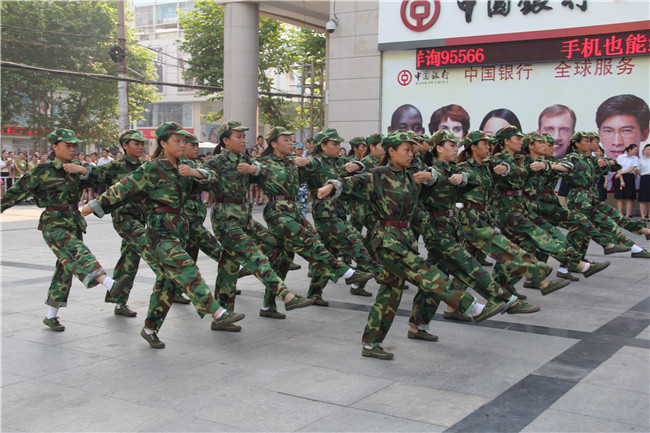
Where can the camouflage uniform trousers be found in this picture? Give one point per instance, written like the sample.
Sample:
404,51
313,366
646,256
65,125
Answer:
579,227
513,263
134,245
340,237
297,235
200,238
73,259
175,268
555,233
428,278
602,216
444,250
516,226
241,248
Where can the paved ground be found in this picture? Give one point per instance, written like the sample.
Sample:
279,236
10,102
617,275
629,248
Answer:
581,364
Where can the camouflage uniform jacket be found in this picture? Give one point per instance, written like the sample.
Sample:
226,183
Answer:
515,178
50,185
417,164
229,183
281,177
111,174
480,177
159,184
322,169
584,170
391,195
194,208
442,195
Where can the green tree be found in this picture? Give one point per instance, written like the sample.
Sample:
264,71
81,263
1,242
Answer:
74,36
281,48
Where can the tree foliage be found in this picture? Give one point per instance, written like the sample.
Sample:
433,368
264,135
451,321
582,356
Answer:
74,36
282,47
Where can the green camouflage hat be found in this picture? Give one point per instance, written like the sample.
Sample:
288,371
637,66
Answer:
276,132
578,136
356,141
532,137
189,137
593,135
548,138
61,134
422,137
475,137
439,137
507,132
235,125
327,135
395,138
131,134
374,138
168,128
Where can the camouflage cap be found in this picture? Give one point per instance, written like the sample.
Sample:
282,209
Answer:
61,134
475,137
439,137
168,128
234,125
131,134
507,132
327,135
548,138
189,137
374,138
532,137
356,141
422,137
578,136
592,135
395,138
274,133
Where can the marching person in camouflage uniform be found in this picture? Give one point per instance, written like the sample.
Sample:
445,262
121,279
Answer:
129,220
330,216
545,204
582,170
57,186
442,236
392,194
232,221
475,219
165,185
510,203
280,181
303,191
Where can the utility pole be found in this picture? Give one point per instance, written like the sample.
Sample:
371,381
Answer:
122,89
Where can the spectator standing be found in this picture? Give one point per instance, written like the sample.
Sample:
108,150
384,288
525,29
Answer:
624,183
644,189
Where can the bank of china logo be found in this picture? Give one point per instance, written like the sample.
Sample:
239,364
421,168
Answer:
404,77
419,15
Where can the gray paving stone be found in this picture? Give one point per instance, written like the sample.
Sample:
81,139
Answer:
443,408
306,373
607,403
559,421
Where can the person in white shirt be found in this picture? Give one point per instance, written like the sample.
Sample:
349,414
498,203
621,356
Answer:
644,189
105,159
624,180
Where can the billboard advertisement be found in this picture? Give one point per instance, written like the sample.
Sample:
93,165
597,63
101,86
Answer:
605,95
405,24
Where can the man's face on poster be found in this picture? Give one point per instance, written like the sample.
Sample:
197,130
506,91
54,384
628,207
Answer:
619,131
408,119
561,128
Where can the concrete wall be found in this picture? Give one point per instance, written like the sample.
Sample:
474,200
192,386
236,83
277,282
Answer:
354,69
